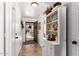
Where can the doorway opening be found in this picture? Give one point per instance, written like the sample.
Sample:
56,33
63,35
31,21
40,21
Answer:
31,47
31,32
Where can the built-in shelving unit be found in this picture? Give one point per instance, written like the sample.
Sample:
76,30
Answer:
53,26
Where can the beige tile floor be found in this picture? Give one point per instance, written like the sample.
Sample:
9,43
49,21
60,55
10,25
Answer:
31,50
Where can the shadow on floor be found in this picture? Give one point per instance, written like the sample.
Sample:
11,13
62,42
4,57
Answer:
29,42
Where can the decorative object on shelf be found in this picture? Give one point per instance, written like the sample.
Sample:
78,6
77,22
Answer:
49,37
57,4
55,26
53,37
48,10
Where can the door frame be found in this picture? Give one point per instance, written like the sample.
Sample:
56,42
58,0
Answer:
4,28
67,53
25,29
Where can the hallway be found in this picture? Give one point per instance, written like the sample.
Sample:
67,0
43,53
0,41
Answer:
24,22
33,49
39,29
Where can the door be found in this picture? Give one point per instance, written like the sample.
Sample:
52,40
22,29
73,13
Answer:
1,29
17,30
29,31
73,29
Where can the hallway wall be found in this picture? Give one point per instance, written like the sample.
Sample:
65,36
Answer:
48,48
8,25
1,28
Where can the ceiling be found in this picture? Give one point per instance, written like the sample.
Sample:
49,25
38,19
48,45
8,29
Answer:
29,11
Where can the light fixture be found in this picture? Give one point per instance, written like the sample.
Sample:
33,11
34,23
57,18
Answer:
34,4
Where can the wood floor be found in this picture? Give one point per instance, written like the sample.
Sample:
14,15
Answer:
33,49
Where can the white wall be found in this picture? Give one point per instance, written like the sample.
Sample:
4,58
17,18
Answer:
47,49
60,50
41,31
8,19
1,29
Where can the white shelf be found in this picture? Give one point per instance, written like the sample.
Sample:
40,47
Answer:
52,30
52,21
52,14
53,10
51,42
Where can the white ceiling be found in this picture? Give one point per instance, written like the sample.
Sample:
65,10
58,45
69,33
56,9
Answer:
28,11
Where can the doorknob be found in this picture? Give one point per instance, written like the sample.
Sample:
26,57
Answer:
74,42
16,37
